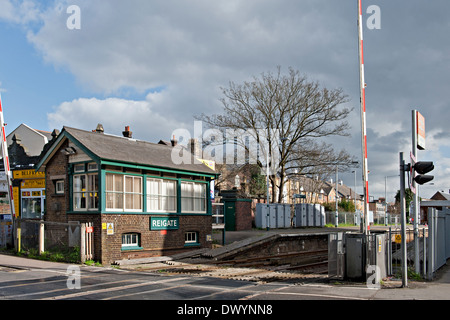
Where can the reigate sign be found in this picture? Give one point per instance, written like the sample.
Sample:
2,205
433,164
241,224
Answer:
164,223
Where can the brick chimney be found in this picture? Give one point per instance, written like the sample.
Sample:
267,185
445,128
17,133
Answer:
194,148
174,141
99,128
127,133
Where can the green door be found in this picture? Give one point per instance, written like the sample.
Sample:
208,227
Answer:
230,215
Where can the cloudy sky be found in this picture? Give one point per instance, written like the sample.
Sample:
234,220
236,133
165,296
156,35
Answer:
154,64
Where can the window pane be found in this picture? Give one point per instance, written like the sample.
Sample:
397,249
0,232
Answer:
118,183
128,201
109,182
152,202
109,200
186,204
199,204
78,168
152,187
93,182
77,201
137,185
130,240
128,184
137,201
77,184
197,190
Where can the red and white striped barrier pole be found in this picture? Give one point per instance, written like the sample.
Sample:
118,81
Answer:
363,120
6,163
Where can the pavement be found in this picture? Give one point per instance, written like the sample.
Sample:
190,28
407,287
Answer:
438,289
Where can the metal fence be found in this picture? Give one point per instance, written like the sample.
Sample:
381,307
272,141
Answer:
433,246
343,218
438,248
353,218
395,250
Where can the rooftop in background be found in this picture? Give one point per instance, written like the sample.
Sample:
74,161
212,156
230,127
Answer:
31,139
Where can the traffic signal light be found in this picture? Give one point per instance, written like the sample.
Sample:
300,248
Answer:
423,167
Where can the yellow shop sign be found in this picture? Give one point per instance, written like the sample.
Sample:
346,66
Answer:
33,184
28,174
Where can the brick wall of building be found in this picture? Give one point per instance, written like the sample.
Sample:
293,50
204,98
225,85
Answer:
108,248
243,215
56,204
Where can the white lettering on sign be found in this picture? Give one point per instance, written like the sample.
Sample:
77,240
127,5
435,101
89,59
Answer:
164,223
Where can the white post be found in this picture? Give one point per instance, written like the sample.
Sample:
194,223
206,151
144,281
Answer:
41,237
363,122
403,213
337,196
83,242
415,187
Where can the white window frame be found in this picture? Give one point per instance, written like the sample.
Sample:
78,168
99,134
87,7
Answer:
161,196
86,193
191,237
192,196
124,193
93,166
59,187
113,192
79,167
134,240
132,193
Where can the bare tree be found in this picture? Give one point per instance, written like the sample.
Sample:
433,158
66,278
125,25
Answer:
288,116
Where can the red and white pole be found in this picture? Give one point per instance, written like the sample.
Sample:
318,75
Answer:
363,120
6,162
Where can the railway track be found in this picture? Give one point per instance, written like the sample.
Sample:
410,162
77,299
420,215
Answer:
293,266
295,260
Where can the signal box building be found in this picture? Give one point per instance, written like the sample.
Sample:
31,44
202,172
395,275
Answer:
141,203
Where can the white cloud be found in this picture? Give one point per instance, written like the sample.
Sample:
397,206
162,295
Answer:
188,49
114,114
21,12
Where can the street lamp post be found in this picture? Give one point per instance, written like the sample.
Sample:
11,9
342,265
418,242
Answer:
337,195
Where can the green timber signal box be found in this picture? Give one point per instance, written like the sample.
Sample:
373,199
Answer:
157,207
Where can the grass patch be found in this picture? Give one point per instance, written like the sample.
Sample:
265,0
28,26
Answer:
56,254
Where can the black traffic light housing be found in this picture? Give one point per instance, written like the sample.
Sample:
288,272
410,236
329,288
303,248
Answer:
423,167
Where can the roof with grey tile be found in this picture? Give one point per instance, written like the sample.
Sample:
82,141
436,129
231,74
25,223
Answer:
132,151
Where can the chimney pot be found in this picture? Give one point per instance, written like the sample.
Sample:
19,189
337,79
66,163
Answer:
127,133
173,141
99,128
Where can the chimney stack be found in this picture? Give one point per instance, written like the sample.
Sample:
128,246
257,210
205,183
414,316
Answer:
194,148
173,141
99,128
127,133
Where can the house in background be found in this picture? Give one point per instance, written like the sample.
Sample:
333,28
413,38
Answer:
31,139
438,196
25,145
141,203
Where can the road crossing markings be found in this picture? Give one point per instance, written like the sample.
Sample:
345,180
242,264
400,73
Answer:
91,292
